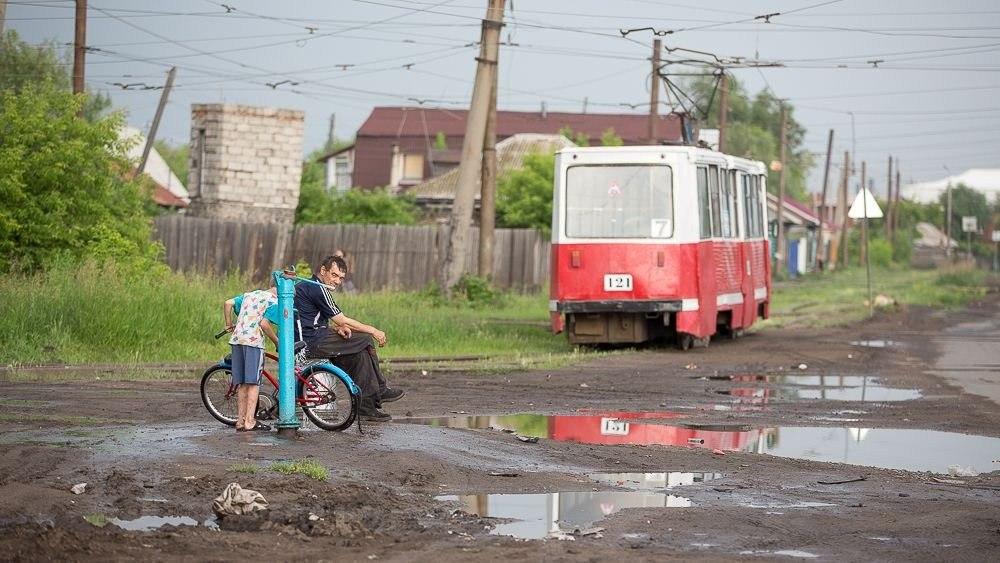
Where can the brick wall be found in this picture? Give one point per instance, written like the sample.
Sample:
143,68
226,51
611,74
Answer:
246,162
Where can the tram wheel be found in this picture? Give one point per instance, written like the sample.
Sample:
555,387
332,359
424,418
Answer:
684,341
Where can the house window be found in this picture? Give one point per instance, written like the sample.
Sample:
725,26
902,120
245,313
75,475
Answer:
342,172
410,167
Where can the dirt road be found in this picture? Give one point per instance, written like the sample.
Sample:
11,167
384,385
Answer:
783,444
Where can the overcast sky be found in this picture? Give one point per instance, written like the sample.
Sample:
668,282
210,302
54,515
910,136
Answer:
932,101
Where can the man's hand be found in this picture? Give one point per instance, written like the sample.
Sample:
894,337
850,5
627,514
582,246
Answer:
379,337
344,332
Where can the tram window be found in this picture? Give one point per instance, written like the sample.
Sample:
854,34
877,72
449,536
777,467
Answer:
751,205
734,223
713,194
619,201
704,211
726,208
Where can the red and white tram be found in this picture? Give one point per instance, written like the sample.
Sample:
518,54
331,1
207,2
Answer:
653,241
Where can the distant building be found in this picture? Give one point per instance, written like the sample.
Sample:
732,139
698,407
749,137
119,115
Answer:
800,225
395,146
168,191
437,195
246,162
985,180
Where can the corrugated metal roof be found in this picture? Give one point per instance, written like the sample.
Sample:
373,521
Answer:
510,156
633,128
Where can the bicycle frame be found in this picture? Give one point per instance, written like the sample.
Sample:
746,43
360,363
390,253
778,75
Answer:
302,400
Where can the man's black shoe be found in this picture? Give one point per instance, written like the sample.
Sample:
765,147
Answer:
370,413
390,395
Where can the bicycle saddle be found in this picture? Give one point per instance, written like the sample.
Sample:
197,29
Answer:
300,346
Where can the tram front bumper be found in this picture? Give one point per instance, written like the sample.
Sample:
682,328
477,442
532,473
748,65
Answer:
618,306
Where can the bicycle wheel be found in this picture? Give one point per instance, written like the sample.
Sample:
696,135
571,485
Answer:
326,400
219,394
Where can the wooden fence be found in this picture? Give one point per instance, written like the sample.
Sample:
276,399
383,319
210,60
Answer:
379,256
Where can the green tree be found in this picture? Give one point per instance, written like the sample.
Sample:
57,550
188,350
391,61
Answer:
176,157
753,130
440,141
611,139
22,64
581,139
63,186
965,202
524,196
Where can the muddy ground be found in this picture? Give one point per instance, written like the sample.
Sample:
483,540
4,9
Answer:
150,449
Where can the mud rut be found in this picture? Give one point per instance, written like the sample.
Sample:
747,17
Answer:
630,435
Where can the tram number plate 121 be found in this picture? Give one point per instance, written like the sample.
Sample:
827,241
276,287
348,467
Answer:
617,282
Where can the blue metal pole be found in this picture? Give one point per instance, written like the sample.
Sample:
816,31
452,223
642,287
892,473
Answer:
288,423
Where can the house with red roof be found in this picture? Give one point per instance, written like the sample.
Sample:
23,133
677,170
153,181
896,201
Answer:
398,147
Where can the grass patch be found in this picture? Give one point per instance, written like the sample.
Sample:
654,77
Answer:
838,298
305,467
99,520
49,318
60,419
244,468
23,403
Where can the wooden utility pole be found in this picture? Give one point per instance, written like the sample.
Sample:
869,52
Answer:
782,258
80,47
488,186
888,199
845,220
820,244
723,109
472,149
863,251
151,137
895,205
654,93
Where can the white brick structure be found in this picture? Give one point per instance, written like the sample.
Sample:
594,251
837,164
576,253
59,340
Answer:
246,162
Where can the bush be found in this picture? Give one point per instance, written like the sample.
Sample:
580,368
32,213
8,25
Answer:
63,185
880,252
524,196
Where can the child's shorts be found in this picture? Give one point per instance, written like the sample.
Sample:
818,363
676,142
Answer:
247,363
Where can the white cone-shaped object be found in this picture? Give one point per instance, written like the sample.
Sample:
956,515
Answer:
865,201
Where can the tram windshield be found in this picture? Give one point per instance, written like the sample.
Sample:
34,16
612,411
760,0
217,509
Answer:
619,201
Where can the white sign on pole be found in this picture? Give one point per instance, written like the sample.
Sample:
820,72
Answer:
996,236
865,201
969,224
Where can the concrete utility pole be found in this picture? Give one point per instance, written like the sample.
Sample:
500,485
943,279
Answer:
330,136
723,109
782,251
888,211
947,231
654,93
472,149
844,202
80,47
895,205
822,201
3,14
488,187
156,120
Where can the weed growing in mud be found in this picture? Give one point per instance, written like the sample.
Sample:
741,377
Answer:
305,467
244,468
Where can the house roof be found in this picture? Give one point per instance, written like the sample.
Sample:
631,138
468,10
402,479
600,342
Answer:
336,152
795,212
510,156
163,197
985,180
156,168
399,121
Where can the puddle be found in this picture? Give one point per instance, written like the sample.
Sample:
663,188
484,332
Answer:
785,552
537,516
653,481
801,379
888,448
864,394
876,343
150,523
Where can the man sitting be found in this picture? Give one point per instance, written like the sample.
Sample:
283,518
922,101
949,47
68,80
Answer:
346,342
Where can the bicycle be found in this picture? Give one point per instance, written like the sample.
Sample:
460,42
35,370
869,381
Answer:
327,395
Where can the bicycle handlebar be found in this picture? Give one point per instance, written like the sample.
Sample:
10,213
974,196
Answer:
221,333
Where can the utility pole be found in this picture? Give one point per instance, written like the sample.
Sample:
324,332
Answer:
863,251
472,149
844,239
151,137
889,206
654,93
895,205
80,47
782,259
488,186
723,109
330,136
585,100
822,200
947,228
3,12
